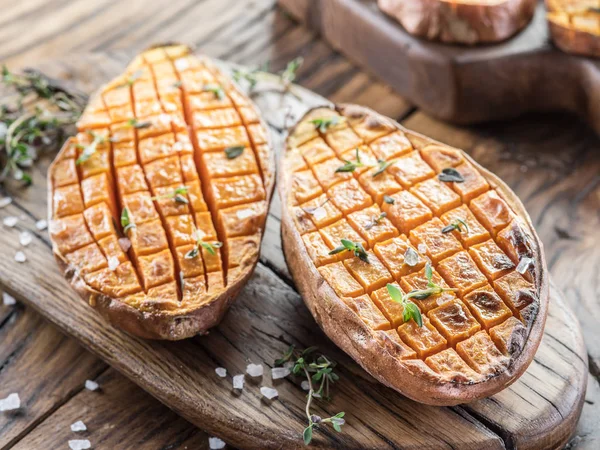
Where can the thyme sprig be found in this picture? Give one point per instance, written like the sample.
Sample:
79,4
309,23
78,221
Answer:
319,372
324,123
200,243
126,222
37,116
216,89
457,224
288,75
449,175
355,247
178,194
251,76
351,166
90,149
313,209
411,310
382,166
375,221
234,152
135,123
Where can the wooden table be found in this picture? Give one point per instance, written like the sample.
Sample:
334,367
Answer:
552,162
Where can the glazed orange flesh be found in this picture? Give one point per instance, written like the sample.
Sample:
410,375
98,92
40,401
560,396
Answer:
583,15
469,332
163,126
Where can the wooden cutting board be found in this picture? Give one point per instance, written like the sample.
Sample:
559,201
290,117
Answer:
459,83
539,411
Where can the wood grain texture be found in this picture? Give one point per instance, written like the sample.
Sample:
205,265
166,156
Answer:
456,83
268,316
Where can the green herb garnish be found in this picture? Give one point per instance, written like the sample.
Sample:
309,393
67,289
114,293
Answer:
132,78
289,73
251,76
90,149
389,200
177,84
451,175
126,222
382,165
313,209
351,166
234,152
208,246
135,123
457,224
316,368
178,194
375,221
410,310
216,89
355,247
323,123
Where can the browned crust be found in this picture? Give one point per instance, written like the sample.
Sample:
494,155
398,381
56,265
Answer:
412,378
163,325
460,21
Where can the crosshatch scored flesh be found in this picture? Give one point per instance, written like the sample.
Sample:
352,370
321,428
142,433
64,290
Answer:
152,154
470,333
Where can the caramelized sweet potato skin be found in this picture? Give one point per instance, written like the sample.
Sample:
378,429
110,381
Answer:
470,345
143,210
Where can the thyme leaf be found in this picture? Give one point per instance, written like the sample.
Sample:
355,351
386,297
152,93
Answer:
178,194
375,221
382,165
324,123
355,247
90,149
451,175
216,89
135,123
234,152
351,166
457,224
208,246
126,222
410,310
389,200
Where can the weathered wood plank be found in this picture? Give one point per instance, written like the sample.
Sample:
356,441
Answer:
140,422
267,317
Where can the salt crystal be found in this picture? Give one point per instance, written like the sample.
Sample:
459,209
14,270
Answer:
79,444
305,385
41,224
238,381
182,64
10,403
10,221
289,364
215,443
113,263
279,372
268,392
254,370
78,426
524,264
125,244
20,257
221,372
8,300
320,213
91,385
244,213
5,201
25,238
422,248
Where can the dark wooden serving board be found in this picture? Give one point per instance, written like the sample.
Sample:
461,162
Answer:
539,411
459,83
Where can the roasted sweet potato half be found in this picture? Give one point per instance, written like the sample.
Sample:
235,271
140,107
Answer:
461,21
416,261
575,26
158,205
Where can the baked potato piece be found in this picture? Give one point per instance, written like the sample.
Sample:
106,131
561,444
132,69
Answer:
575,26
437,287
461,21
158,205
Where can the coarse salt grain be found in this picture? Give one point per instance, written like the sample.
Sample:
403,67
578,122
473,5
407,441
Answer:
91,385
238,381
320,213
244,213
214,443
422,248
25,238
79,444
305,385
268,392
8,300
20,257
41,224
10,221
113,263
10,403
255,370
222,372
279,372
524,264
5,201
125,244
78,426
